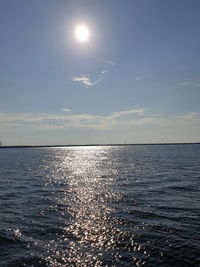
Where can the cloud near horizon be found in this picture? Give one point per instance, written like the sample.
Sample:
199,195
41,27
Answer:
124,118
59,121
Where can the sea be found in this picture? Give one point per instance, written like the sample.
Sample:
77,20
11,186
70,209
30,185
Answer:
131,205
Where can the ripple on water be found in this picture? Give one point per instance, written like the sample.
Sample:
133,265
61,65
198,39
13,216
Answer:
100,206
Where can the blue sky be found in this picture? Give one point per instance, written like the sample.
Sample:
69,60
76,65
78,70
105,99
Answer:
137,78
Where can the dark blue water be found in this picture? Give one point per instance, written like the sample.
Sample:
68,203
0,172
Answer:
100,206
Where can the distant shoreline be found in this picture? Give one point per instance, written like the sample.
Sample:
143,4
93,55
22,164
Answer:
141,144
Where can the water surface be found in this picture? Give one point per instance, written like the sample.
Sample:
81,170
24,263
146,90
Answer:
100,206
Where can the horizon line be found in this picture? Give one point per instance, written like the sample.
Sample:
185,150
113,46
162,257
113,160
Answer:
117,144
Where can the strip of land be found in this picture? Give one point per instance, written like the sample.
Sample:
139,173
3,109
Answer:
77,145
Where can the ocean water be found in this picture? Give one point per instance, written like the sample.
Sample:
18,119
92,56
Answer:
100,206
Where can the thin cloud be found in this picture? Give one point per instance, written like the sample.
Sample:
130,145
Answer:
85,80
66,110
107,61
59,121
185,83
127,112
104,71
101,76
124,118
189,83
138,78
189,117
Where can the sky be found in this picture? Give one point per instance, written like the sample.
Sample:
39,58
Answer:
135,80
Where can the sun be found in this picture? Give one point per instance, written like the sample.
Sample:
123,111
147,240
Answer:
82,33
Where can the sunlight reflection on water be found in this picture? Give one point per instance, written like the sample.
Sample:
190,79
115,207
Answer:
88,232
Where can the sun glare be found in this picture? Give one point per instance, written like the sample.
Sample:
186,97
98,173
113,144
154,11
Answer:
82,33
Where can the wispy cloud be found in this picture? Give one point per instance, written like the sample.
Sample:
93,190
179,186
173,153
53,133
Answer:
186,83
66,109
184,119
138,78
189,84
108,61
124,118
58,121
189,117
87,81
84,79
127,112
104,71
